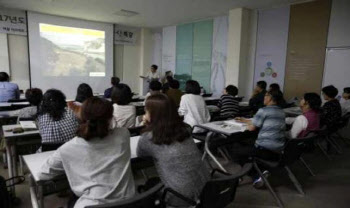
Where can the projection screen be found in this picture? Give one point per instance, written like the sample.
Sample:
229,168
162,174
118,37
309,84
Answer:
66,52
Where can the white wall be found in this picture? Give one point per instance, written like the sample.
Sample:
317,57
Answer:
19,60
339,24
4,56
241,50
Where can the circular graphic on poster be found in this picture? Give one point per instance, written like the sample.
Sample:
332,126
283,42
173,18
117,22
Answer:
262,74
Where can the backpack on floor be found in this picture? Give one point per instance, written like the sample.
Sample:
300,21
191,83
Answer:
6,198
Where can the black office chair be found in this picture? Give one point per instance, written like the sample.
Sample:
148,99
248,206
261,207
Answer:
148,199
135,131
217,192
342,124
292,152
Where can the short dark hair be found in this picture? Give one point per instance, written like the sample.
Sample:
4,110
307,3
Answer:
115,81
232,90
193,87
167,73
330,91
4,77
121,94
276,96
34,96
84,92
154,66
166,125
314,100
53,103
155,85
275,86
347,90
174,84
96,115
262,85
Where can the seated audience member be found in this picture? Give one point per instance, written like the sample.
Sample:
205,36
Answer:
56,123
310,120
174,93
154,88
124,114
331,110
166,84
229,107
270,121
167,139
193,107
257,100
345,101
275,86
114,82
34,97
167,74
96,161
84,92
8,90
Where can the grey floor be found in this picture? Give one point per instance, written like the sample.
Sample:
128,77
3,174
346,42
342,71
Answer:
330,188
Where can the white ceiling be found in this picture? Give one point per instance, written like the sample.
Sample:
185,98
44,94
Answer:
152,13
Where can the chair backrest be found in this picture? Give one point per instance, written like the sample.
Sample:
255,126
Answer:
135,131
344,121
219,192
296,147
148,199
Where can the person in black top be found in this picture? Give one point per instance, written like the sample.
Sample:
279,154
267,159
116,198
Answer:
229,106
257,100
108,92
331,110
275,86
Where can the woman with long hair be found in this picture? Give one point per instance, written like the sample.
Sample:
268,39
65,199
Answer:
167,139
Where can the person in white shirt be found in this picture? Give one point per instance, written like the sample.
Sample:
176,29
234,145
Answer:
193,107
96,161
152,74
309,120
124,114
345,101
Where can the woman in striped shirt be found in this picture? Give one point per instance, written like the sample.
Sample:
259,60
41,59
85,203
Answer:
228,105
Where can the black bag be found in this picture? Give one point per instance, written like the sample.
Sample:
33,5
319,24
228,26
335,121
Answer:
6,198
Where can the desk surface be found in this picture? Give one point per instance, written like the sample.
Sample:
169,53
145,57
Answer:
293,111
35,161
138,104
228,127
211,98
9,134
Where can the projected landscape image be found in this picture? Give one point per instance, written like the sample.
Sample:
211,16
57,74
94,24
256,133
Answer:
72,51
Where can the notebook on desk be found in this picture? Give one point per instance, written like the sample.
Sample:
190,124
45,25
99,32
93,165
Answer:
28,125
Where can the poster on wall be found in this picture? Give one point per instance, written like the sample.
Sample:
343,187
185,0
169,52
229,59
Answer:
219,55
13,22
125,35
271,51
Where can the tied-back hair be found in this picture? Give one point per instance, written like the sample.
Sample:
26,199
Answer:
314,100
54,104
84,92
166,125
276,96
96,116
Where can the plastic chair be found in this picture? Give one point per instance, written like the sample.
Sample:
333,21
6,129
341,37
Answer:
217,192
148,199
